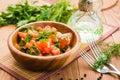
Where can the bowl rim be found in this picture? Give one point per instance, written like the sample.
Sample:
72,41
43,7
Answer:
10,43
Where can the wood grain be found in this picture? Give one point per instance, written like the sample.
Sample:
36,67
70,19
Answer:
107,4
77,69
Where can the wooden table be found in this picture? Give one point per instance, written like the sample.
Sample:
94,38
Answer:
76,70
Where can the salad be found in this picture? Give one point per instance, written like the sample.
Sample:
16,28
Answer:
43,41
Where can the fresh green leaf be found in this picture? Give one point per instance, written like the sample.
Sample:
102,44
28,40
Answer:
22,43
28,38
22,22
31,28
36,49
23,30
57,45
48,32
43,40
24,13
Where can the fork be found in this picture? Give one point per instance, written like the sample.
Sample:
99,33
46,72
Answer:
96,50
90,60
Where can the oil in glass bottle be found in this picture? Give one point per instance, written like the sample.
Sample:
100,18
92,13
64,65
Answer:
87,21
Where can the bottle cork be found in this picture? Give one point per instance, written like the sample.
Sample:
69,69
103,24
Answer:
85,5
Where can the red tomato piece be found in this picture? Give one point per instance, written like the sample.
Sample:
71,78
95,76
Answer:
63,43
47,50
44,47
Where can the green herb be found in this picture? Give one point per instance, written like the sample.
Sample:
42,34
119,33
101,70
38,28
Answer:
56,39
23,30
33,53
45,34
43,40
57,44
28,38
48,32
24,13
101,61
26,29
23,48
36,49
22,43
39,37
28,51
30,28
111,51
115,49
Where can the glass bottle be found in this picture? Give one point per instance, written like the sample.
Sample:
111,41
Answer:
87,21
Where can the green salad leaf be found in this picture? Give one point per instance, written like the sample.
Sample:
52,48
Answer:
21,14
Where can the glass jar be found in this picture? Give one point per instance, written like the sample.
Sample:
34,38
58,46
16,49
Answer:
87,21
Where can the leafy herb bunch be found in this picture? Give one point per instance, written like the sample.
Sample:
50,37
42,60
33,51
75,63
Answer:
108,53
21,14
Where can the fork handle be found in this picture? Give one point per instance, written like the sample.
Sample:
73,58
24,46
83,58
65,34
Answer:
111,65
115,72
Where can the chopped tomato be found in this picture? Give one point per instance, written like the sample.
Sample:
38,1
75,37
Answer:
65,39
63,43
22,34
55,50
44,47
47,50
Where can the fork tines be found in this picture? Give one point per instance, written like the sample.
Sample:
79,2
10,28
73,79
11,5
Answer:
88,58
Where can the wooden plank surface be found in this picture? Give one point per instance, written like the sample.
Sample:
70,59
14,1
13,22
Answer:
76,70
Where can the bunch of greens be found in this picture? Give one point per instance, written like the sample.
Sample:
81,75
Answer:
21,14
111,51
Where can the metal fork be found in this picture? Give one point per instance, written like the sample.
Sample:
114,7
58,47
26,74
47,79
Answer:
96,50
90,60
